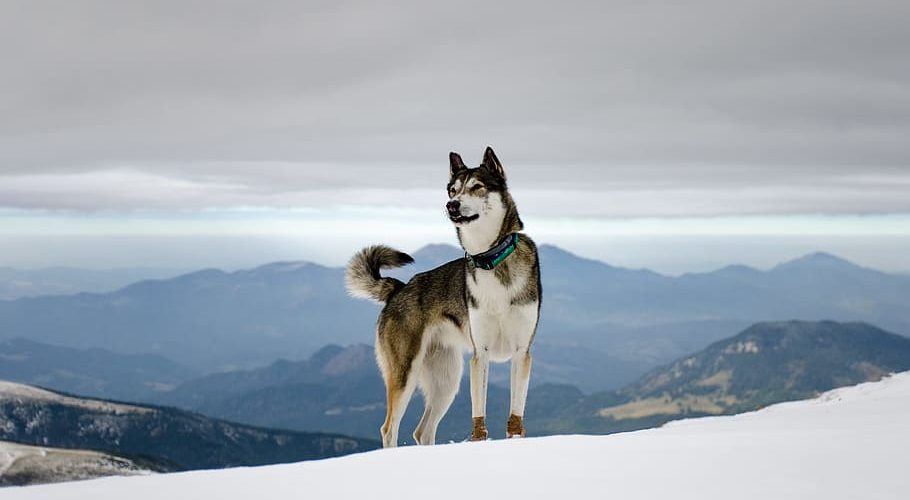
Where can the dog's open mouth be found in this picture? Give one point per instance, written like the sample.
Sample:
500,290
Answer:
463,219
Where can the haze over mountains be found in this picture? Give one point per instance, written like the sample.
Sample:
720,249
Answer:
612,323
17,283
339,389
90,372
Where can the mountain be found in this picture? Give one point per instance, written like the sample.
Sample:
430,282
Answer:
612,323
814,287
766,363
848,443
331,366
90,372
643,316
817,260
178,439
338,390
17,283
21,465
208,320
770,362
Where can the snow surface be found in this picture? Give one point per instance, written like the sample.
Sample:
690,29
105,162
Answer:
35,464
20,392
849,443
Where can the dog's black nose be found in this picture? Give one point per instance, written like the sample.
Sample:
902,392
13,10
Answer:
453,206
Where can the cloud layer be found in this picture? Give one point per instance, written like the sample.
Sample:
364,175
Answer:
644,108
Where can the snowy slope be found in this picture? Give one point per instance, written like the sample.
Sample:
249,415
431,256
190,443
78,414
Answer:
165,438
22,464
22,392
849,443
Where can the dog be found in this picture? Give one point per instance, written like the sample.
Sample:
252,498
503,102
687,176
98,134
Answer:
486,303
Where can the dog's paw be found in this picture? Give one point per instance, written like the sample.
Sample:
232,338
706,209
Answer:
479,432
515,427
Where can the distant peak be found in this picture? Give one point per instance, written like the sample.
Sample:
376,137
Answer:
822,257
817,259
556,251
732,270
552,248
440,252
326,353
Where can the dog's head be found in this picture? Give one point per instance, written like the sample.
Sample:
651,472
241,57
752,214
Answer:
475,192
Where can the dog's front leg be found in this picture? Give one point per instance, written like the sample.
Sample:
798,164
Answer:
521,374
480,370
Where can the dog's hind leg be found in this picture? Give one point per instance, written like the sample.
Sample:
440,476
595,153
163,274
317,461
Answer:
439,379
399,359
397,398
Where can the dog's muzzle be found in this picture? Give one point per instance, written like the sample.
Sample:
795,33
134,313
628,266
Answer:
453,207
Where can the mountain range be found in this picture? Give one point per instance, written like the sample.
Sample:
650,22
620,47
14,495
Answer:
91,372
17,283
162,438
339,389
765,364
601,326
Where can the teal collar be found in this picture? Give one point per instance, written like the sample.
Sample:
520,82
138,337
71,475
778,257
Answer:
492,257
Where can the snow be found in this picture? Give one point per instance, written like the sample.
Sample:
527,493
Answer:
22,463
848,443
20,392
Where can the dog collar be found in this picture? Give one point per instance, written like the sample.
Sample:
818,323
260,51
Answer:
492,257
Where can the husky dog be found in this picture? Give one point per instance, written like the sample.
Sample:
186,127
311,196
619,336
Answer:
487,302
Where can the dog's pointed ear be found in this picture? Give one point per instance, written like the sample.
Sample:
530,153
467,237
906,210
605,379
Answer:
492,162
455,163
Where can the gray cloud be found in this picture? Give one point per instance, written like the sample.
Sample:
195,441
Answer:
805,103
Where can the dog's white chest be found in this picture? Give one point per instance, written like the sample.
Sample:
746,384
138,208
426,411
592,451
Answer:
498,326
490,294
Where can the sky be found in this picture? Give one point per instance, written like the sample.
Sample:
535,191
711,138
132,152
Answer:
676,136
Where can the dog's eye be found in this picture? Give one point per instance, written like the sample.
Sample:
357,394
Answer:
476,187
451,191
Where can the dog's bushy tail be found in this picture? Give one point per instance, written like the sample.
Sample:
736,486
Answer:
362,276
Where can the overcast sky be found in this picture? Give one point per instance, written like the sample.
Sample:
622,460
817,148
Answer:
598,109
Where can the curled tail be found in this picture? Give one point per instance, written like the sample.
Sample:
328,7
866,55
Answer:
362,277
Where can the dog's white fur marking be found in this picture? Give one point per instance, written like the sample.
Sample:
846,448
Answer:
499,335
480,235
499,330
